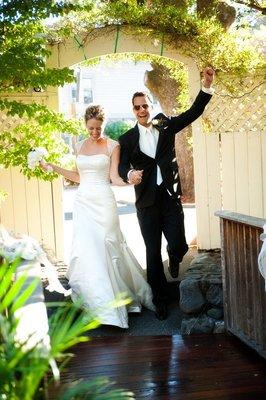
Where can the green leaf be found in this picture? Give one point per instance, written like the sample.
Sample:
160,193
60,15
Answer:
22,298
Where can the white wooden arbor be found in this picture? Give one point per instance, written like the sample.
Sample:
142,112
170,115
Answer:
229,163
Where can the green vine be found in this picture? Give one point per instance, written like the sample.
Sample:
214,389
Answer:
205,40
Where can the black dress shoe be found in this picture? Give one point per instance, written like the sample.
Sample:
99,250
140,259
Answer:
173,265
173,269
161,311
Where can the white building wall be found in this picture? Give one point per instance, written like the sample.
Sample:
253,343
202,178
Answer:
112,86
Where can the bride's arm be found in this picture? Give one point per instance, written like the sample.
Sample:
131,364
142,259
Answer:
114,176
71,175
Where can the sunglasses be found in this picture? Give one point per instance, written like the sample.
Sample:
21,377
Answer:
144,106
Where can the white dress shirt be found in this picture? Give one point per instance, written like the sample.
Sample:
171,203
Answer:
148,140
209,90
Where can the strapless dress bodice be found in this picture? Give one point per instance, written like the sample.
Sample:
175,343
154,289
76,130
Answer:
93,169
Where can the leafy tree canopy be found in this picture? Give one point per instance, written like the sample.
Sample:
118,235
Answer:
23,66
204,39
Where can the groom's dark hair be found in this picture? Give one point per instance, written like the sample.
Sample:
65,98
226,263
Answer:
141,94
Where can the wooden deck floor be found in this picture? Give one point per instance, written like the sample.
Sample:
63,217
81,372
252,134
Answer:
216,367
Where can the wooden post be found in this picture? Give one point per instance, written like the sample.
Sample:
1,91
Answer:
243,285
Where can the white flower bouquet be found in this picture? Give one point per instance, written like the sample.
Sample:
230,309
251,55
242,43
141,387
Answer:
35,156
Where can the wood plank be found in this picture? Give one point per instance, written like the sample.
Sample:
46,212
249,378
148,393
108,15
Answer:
228,172
244,287
7,207
58,215
241,218
201,188
19,202
47,217
263,158
255,187
241,168
33,208
214,187
224,263
249,278
172,367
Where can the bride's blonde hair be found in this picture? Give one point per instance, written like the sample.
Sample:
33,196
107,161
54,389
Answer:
94,111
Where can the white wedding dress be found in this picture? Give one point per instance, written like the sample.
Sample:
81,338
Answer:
101,264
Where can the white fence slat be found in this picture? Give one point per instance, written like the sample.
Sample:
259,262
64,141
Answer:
7,207
214,186
201,188
57,190
19,202
47,219
255,186
241,168
228,172
33,207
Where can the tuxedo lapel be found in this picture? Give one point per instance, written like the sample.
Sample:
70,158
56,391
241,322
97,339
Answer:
160,139
135,139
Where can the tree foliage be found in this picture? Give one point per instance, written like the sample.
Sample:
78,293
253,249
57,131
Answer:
182,28
253,4
23,65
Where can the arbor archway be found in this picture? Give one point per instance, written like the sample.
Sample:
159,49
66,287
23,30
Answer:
113,40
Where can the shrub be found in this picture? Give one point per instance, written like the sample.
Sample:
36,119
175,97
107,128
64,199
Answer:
115,129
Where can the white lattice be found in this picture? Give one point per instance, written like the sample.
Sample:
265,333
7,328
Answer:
242,114
8,122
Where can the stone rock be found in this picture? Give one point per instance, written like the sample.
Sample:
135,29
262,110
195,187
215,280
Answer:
201,259
191,298
215,313
202,324
219,327
214,295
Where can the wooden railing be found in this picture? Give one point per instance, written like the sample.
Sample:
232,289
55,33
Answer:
243,285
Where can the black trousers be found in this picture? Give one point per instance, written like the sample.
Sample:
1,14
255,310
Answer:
164,216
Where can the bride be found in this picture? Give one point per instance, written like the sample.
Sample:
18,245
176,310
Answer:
101,264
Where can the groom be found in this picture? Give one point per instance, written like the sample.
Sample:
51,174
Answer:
148,161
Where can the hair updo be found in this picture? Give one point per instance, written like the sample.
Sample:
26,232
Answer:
94,111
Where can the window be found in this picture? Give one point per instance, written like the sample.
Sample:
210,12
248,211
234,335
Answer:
87,89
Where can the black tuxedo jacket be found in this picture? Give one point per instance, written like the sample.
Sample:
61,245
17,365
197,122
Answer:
132,156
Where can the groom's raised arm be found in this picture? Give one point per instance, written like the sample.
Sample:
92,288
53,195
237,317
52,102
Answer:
181,121
186,118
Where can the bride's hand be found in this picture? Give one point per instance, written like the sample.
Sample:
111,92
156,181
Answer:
46,166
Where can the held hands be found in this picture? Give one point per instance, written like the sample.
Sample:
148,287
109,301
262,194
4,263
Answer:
208,77
135,176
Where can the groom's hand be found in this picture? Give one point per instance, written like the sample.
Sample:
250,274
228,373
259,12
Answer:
135,176
208,77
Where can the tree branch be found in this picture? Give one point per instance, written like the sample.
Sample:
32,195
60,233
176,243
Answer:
252,4
242,95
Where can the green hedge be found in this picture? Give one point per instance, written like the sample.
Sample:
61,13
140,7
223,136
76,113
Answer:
115,129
